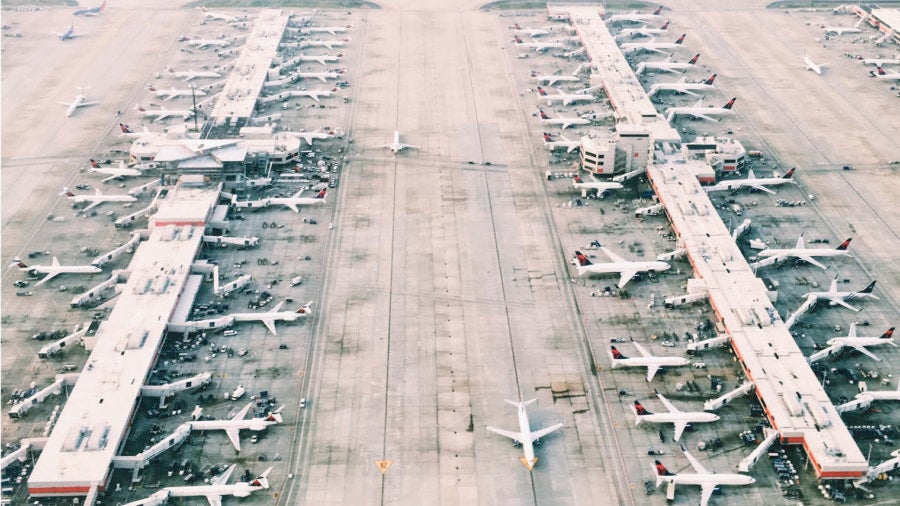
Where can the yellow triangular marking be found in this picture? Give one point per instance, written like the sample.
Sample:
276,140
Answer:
528,465
383,465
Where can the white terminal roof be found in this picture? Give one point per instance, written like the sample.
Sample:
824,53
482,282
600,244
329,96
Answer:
238,98
890,17
92,427
795,402
212,153
628,98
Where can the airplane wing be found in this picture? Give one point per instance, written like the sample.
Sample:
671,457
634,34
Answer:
641,349
222,479
571,148
703,116
761,188
626,277
612,256
668,404
679,429
110,178
852,332
864,351
566,124
698,467
515,436
233,434
839,300
652,369
278,306
706,491
294,208
270,324
689,92
811,260
543,432
48,277
92,205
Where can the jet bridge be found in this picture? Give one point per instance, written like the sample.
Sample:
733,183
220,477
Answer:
802,310
55,388
884,467
715,342
25,446
227,288
57,346
249,242
139,461
93,295
126,221
724,399
750,460
170,389
741,229
105,258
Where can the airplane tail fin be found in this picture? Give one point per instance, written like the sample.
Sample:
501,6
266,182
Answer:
710,80
665,26
139,108
541,91
517,39
274,417
844,245
889,334
640,411
582,259
67,192
262,480
693,61
544,115
681,39
789,173
125,128
657,11
615,354
869,288
517,27
321,194
17,262
880,70
305,309
730,103
661,472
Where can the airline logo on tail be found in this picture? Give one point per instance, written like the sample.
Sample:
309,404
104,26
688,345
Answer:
639,410
693,61
661,470
665,26
681,39
617,355
843,247
519,41
125,128
869,288
321,194
544,115
582,260
657,11
889,334
789,173
541,91
710,80
730,103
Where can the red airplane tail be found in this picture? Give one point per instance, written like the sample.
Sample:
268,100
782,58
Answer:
547,137
517,27
125,128
640,409
577,179
710,80
518,40
617,355
881,71
789,173
730,103
102,6
657,11
665,26
693,61
844,245
661,470
94,163
582,260
889,334
541,91
681,39
544,115
321,194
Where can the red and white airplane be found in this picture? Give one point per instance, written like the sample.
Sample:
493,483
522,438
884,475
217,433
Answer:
333,30
330,44
115,172
675,416
636,17
96,199
323,59
753,182
667,65
236,424
601,186
851,340
296,200
695,111
564,98
538,46
309,136
651,362
683,86
525,436
566,143
626,269
221,16
313,94
54,269
322,76
561,121
276,314
880,73
205,43
213,492
193,74
652,45
643,31
808,255
162,113
551,79
836,298
175,93
707,480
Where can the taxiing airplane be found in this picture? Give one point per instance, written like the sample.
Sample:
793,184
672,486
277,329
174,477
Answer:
163,113
236,424
636,17
626,269
808,255
651,362
321,76
551,79
69,34
667,65
564,98
601,186
840,30
707,481
859,344
296,200
562,122
811,65
836,298
213,492
269,318
652,46
675,416
54,269
682,86
525,436
539,46
642,32
175,93
398,146
566,143
91,11
695,111
79,101
757,183
194,74
880,73
96,199
116,172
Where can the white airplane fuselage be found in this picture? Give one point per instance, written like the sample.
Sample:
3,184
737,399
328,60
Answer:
708,479
805,252
649,361
618,267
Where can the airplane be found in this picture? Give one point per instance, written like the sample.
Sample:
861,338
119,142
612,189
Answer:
92,11
192,74
220,16
333,30
552,145
565,98
810,65
682,86
296,200
706,480
880,73
806,254
695,111
601,186
753,182
313,94
205,43
323,59
309,136
175,93
128,132
539,46
652,363
322,76
635,17
525,436
674,416
840,30
237,423
561,121
880,62
69,34
54,269
116,172
551,79
643,31
655,47
397,146
859,343
79,101
532,32
667,65
213,492
163,113
835,297
269,318
96,199
330,44
618,265
880,395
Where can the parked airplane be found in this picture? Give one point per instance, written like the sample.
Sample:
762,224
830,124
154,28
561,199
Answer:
539,46
163,113
333,30
96,199
116,172
836,298
880,73
54,269
806,254
551,79
753,182
562,122
69,34
811,65
636,17
626,269
675,416
175,93
642,31
237,423
682,86
313,94
840,30
309,136
652,363
221,16
330,44
880,395
398,146
695,111
859,343
880,62
213,492
79,101
601,186
707,481
324,59
205,43
565,98
322,76
667,65
269,318
296,200
525,436
567,143
532,32
194,74
652,46
92,11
